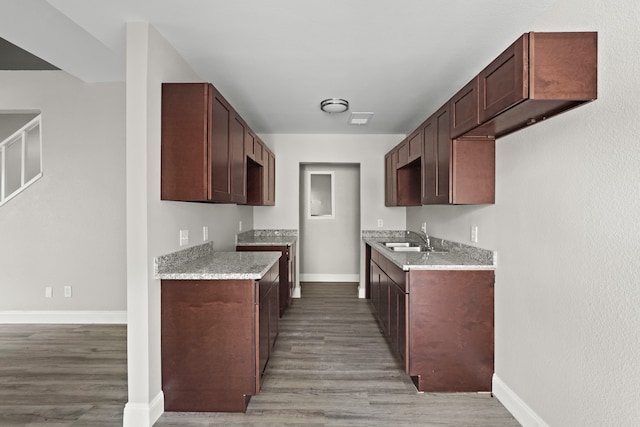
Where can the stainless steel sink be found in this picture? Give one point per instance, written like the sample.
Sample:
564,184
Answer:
410,247
400,244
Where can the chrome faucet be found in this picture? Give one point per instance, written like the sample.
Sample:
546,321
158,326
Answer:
427,239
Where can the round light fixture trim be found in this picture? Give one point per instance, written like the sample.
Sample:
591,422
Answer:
334,105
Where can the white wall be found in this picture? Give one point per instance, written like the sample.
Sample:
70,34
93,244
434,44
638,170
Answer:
330,247
565,225
69,227
153,225
367,150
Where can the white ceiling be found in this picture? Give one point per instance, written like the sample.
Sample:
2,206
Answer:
275,60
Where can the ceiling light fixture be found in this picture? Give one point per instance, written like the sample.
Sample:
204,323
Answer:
334,105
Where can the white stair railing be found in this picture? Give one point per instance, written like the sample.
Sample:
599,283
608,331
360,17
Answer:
20,160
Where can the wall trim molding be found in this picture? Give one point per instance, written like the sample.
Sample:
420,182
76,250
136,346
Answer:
362,291
143,414
514,404
63,317
330,278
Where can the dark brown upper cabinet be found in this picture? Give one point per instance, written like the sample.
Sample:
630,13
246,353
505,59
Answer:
408,171
208,153
269,183
391,178
195,144
261,172
238,160
464,109
539,76
410,149
436,158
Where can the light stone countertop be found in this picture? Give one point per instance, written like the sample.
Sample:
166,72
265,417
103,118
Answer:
458,257
268,238
202,263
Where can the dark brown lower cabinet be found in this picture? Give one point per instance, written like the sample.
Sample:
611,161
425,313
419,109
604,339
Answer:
287,269
216,340
438,322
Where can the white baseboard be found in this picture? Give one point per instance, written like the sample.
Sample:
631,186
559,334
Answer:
330,278
143,414
296,292
518,408
66,317
362,292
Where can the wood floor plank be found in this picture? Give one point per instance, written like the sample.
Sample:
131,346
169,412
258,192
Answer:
62,375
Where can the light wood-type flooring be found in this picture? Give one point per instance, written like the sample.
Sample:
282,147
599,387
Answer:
62,375
331,367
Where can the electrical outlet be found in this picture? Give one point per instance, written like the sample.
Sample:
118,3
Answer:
48,292
67,291
205,233
184,237
380,223
474,233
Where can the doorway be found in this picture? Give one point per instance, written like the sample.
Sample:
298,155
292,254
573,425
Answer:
329,222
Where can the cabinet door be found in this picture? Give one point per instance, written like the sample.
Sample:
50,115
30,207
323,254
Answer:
473,171
238,160
258,151
505,81
263,330
393,315
415,145
291,273
390,178
374,280
220,114
249,139
464,109
402,327
403,153
270,179
274,312
184,142
383,312
436,158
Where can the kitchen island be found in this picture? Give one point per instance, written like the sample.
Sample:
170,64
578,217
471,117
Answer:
435,309
219,322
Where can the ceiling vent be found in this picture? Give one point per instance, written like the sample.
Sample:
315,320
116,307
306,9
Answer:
360,119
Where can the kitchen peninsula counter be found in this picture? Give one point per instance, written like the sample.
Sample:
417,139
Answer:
219,323
202,263
457,256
